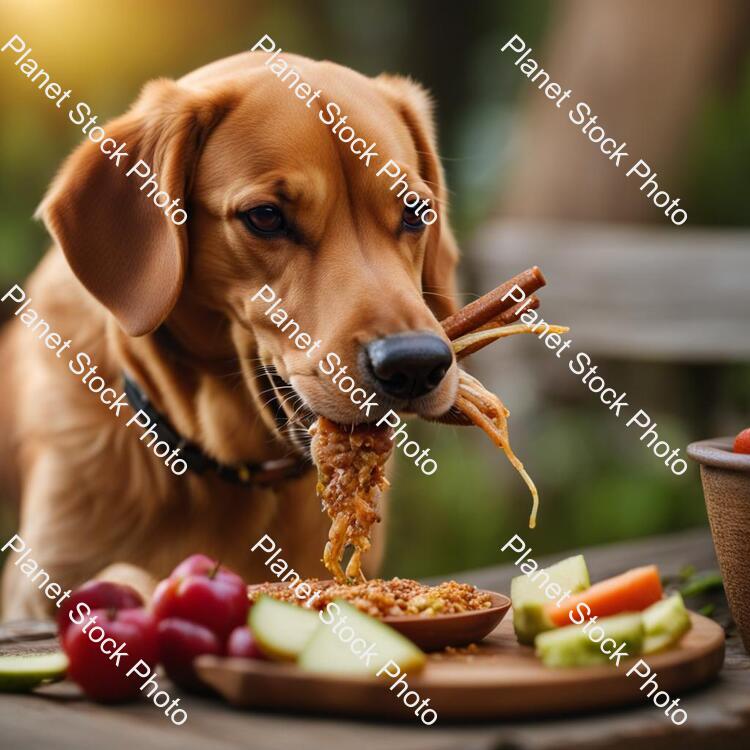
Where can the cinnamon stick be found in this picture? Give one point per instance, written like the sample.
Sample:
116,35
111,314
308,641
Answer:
491,305
504,319
510,315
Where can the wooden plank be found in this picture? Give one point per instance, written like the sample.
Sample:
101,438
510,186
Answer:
648,293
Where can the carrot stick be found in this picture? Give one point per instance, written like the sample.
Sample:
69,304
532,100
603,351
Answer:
632,591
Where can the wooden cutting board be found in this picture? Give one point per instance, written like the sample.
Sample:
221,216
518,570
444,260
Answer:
502,680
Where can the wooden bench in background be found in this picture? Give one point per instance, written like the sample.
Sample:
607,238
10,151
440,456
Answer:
656,293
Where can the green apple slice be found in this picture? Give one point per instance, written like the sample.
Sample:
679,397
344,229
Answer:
571,646
332,653
665,623
22,672
529,599
281,629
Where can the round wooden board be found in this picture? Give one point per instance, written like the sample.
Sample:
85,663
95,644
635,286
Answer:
502,680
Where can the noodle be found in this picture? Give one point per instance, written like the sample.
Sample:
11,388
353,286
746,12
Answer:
351,475
464,342
351,461
487,412
485,409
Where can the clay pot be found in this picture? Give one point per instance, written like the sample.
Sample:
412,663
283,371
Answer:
726,489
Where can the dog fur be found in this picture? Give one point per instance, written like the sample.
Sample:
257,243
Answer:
171,305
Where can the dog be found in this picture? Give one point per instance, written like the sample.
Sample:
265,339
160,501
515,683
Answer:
273,198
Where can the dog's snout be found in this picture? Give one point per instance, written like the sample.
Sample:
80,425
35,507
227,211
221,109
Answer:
409,365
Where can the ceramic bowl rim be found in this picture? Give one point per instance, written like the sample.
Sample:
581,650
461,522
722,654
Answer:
717,452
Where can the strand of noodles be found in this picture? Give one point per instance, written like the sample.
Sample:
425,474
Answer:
351,475
488,412
333,550
485,409
492,334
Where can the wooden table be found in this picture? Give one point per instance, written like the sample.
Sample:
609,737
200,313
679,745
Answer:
719,715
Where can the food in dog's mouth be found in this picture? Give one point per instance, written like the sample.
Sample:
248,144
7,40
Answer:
351,458
396,597
351,474
493,316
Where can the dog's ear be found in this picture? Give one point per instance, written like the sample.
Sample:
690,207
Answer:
414,105
120,245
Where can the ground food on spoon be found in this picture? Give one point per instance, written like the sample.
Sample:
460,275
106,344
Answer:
393,598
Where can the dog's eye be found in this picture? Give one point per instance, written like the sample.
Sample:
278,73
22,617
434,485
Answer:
411,221
265,220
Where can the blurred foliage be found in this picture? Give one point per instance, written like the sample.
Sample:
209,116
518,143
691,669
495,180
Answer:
597,483
718,163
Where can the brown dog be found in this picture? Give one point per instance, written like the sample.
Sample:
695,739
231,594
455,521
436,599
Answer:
273,198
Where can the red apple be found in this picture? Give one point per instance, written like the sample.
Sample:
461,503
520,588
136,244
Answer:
742,442
201,591
180,642
242,643
198,564
100,676
98,595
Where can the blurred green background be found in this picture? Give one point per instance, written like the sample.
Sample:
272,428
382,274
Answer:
596,481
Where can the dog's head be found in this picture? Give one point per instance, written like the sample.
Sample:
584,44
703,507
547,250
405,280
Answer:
275,198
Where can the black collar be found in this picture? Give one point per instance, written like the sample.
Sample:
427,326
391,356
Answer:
264,473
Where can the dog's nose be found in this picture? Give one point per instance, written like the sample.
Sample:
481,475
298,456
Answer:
409,365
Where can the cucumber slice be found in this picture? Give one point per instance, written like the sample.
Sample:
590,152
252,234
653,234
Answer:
281,629
22,672
529,599
665,623
327,652
571,646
